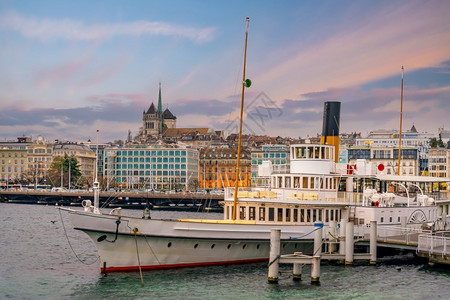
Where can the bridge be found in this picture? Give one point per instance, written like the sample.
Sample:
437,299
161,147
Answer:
134,200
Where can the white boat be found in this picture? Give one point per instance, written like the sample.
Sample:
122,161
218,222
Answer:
316,192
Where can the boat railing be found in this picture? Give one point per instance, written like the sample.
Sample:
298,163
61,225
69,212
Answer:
393,234
434,244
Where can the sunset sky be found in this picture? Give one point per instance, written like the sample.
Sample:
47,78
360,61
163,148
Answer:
69,68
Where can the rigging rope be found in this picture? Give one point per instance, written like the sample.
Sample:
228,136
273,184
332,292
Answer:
67,237
135,230
151,249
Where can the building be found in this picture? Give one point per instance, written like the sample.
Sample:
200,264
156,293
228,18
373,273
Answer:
40,157
14,161
444,135
193,137
84,155
155,167
278,155
155,121
386,159
439,162
218,168
410,138
99,151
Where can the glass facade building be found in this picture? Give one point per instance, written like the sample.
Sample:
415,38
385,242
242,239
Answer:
277,154
146,167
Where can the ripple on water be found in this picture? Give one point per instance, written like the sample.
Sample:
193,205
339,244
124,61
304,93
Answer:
36,262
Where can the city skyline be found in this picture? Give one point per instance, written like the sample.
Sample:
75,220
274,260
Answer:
70,68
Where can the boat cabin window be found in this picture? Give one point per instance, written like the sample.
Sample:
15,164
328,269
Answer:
305,182
271,214
242,212
262,213
296,182
288,214
251,211
310,152
301,152
280,214
316,152
287,182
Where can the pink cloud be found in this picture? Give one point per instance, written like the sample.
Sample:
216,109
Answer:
412,35
61,72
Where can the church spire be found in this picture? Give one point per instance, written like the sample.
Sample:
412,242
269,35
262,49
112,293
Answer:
159,100
160,111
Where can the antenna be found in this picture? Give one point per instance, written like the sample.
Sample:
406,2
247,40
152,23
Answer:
400,133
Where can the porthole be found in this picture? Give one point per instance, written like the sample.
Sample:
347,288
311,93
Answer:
195,246
229,246
169,244
212,246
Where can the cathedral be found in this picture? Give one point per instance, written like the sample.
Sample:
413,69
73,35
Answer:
155,121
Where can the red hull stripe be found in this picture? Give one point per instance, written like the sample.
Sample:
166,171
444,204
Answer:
174,266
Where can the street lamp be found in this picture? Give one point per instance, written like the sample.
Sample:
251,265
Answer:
204,170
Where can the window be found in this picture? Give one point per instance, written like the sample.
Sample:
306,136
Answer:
251,211
271,214
242,212
262,213
280,214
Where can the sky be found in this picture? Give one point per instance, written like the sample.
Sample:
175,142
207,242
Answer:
69,68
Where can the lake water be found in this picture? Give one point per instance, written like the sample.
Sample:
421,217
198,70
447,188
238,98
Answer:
37,262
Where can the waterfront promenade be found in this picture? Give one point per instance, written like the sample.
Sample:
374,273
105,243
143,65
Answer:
135,200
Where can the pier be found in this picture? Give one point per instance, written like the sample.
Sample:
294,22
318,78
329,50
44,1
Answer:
338,243
435,247
298,259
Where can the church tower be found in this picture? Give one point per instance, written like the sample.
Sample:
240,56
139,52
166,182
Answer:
153,120
160,112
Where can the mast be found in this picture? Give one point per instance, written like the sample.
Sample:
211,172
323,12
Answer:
244,84
400,135
95,186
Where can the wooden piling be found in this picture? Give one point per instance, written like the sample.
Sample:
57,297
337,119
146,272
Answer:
315,269
373,243
275,236
349,243
297,272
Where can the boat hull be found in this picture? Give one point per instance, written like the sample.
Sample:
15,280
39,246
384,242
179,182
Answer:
161,244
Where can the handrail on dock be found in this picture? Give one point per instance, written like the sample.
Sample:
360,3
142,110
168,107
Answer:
434,244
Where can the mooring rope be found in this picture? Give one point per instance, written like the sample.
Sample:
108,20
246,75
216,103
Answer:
135,230
67,237
274,260
306,234
151,249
